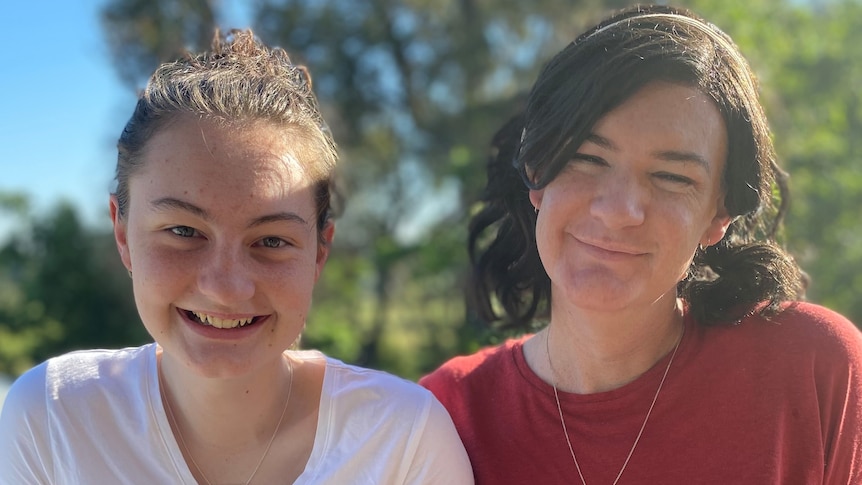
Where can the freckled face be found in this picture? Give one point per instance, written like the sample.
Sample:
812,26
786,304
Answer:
618,227
221,237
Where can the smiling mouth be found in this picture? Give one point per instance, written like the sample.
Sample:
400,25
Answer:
225,323
612,248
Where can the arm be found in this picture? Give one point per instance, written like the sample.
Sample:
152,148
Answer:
24,432
841,412
439,456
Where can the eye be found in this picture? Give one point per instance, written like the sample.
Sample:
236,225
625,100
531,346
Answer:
588,159
272,242
674,178
586,164
184,231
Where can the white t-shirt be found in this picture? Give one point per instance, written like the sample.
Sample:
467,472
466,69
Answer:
96,417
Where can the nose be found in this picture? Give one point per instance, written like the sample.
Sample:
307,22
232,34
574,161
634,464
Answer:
619,201
225,277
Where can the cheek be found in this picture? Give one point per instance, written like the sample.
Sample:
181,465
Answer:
294,271
164,264
562,205
680,227
161,275
297,277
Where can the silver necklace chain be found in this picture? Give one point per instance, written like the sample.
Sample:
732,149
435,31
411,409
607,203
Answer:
563,421
189,452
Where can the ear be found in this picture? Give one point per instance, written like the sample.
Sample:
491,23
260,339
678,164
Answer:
536,197
328,234
120,233
717,227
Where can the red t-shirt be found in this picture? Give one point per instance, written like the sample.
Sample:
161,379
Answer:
760,402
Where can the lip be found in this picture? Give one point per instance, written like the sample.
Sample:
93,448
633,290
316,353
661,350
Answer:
609,251
215,333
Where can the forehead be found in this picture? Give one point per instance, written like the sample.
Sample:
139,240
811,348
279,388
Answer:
193,157
669,116
656,100
220,134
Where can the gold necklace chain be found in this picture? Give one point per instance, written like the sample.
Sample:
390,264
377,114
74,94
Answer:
563,421
163,392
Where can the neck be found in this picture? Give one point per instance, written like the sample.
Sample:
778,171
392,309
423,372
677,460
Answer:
596,352
228,414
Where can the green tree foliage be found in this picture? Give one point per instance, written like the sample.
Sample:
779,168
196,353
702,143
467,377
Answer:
62,288
24,326
142,33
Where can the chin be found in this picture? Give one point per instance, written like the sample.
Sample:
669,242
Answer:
597,290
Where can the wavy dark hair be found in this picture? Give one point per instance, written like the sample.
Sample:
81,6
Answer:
239,81
594,74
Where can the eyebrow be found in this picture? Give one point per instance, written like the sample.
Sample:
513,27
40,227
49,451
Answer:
668,155
170,203
278,217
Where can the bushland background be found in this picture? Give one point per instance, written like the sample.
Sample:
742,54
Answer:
413,90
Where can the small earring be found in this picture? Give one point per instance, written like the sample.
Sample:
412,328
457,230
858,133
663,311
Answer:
536,210
130,274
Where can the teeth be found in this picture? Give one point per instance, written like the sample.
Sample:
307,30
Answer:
221,322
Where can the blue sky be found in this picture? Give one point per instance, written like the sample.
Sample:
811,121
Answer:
63,107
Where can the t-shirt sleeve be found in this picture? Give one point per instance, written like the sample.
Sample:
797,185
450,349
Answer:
440,458
24,432
840,388
449,385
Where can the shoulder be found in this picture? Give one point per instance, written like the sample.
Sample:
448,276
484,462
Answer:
23,424
26,396
76,370
802,336
830,335
480,365
80,375
820,319
360,384
809,325
64,396
79,370
827,351
377,404
383,427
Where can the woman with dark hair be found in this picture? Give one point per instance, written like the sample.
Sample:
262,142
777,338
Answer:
633,208
222,216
